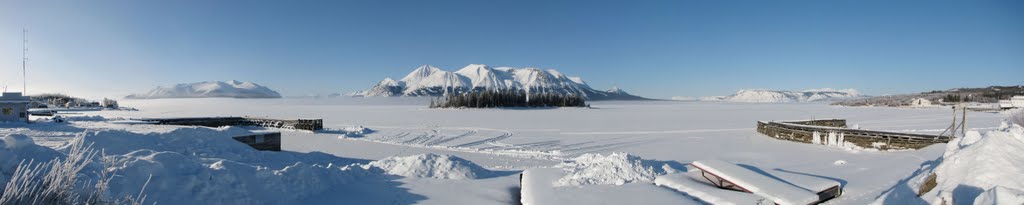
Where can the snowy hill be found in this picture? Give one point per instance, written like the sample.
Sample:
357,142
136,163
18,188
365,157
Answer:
431,81
773,96
210,89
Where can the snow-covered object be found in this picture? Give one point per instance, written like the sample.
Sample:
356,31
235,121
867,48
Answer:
210,89
687,184
354,131
771,188
431,166
773,96
17,141
616,169
431,81
985,166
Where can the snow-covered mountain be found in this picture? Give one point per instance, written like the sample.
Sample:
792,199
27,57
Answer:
210,89
431,81
774,96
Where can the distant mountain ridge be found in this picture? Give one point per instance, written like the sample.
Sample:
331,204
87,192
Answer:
210,89
777,96
431,81
991,94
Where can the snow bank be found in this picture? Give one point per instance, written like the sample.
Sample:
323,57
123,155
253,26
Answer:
431,166
202,142
982,162
971,168
17,147
16,141
1000,195
185,179
616,168
198,165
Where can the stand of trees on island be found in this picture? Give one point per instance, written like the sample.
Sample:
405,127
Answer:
497,99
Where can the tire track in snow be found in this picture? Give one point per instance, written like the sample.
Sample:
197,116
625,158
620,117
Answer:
655,132
394,137
449,139
494,139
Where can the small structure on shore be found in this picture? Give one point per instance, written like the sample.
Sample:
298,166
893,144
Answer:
1014,102
14,107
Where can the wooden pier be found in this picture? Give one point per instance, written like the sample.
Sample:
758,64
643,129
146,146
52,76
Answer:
803,131
299,124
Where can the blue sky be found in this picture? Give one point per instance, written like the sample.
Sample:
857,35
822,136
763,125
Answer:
651,48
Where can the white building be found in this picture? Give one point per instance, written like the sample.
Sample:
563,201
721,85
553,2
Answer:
14,107
1014,102
1017,101
1005,104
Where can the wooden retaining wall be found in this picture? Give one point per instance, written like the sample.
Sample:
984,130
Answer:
822,122
299,124
802,131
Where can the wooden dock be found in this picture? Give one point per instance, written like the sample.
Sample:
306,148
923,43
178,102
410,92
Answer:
298,124
803,131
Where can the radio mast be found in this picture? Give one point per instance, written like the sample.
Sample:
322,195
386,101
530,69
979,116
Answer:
24,58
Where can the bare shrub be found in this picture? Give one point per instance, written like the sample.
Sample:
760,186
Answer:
1017,117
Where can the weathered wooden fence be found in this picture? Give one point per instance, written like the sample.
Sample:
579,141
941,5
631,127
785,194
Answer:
803,131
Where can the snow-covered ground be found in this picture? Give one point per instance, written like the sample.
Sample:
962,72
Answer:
474,156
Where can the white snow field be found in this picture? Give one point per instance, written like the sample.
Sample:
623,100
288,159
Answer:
397,151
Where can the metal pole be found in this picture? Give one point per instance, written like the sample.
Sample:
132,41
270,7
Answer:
24,58
963,122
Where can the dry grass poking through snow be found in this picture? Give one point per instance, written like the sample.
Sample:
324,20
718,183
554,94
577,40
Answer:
1017,117
57,181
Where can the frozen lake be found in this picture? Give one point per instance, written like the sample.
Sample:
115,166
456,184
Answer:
517,139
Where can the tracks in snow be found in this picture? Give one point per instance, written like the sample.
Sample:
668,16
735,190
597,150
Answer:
503,142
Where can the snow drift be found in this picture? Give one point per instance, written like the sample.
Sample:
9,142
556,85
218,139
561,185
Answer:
431,166
432,81
210,89
614,169
977,168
